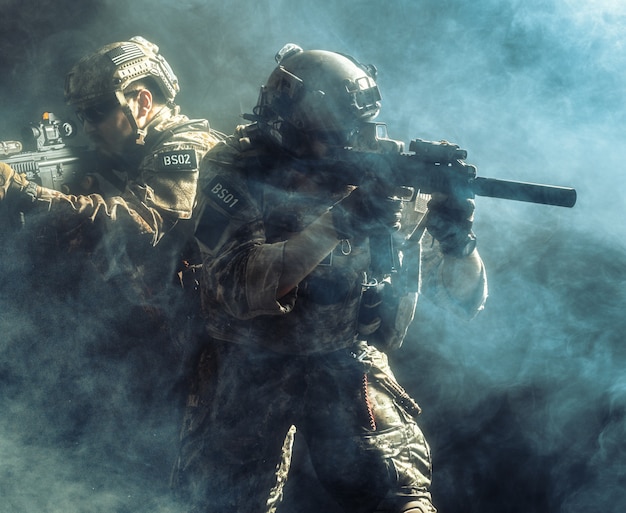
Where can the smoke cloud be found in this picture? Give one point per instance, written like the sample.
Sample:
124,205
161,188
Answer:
525,406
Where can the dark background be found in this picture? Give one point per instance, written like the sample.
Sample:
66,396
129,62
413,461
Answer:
525,406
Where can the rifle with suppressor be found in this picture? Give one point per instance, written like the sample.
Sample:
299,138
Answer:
430,167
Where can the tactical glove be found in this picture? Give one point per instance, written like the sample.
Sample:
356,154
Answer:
367,210
449,220
12,182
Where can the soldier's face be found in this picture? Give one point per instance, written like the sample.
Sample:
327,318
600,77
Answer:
112,134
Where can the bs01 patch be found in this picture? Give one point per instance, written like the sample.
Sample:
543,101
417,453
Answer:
224,195
178,160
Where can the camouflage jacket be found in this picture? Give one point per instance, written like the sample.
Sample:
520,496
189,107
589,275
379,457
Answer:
134,216
252,199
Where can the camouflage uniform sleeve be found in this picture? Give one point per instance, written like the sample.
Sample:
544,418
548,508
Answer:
170,173
447,293
164,193
432,280
231,236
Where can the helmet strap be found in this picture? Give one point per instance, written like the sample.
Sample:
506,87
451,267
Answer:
140,133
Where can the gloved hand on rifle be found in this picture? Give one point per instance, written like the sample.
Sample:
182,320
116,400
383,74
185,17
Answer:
12,183
449,220
370,209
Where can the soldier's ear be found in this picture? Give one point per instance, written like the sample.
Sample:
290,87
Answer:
144,102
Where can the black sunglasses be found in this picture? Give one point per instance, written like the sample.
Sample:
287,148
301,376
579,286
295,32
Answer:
99,112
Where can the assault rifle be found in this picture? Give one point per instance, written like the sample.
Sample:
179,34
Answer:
43,156
436,167
428,167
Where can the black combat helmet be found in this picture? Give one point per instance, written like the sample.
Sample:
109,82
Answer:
317,92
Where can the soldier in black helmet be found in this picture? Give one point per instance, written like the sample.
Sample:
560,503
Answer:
299,313
117,239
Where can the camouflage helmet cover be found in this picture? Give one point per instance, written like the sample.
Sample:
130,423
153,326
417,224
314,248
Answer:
109,71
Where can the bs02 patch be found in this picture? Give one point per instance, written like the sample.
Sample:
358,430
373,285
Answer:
178,160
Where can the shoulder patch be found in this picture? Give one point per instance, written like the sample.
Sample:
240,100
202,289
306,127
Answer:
211,227
227,197
177,160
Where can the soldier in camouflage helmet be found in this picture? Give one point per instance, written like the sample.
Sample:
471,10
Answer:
129,218
300,306
142,190
123,95
110,77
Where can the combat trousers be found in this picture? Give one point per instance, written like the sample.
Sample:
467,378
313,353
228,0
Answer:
358,423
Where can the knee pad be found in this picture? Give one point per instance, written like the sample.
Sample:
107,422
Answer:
414,506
